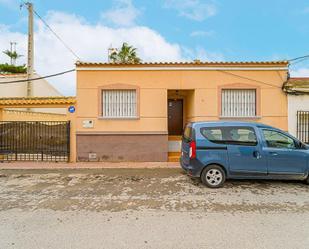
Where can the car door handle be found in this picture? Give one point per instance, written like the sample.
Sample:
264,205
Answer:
273,153
257,154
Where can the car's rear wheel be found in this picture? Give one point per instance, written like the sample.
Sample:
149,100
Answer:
307,181
213,176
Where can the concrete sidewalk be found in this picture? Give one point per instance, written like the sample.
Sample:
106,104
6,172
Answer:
88,165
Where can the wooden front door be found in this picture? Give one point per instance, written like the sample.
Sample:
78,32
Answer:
175,118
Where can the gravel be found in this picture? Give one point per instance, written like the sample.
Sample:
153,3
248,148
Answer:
148,208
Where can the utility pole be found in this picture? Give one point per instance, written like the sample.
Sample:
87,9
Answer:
30,49
13,50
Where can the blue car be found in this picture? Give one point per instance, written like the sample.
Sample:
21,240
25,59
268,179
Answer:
216,151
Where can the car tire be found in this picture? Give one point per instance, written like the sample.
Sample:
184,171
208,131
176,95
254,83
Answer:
213,176
307,180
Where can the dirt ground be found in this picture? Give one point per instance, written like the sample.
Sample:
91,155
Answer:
148,208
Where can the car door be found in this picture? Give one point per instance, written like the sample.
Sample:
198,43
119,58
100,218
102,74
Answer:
245,152
284,158
187,137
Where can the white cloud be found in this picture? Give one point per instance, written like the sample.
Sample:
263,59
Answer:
197,10
201,33
9,3
201,54
123,13
90,42
301,72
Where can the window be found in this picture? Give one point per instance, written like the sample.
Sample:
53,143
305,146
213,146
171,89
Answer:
238,102
230,135
212,134
188,133
275,139
119,103
243,135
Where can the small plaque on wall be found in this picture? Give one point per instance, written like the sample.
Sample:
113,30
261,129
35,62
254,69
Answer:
88,124
92,156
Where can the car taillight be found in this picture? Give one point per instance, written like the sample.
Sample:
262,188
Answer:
192,151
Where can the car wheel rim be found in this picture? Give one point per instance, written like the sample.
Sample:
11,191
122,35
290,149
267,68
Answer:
214,177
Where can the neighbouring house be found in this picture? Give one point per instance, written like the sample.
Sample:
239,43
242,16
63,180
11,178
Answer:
35,128
298,107
136,112
37,136
40,88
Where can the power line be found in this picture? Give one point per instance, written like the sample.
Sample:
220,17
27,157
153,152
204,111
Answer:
298,61
299,58
55,34
243,77
38,78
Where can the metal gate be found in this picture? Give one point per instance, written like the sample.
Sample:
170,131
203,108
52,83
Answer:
303,126
35,141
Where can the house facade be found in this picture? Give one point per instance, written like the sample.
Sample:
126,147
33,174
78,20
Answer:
297,90
136,112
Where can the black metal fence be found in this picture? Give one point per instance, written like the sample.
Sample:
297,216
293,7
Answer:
35,141
303,126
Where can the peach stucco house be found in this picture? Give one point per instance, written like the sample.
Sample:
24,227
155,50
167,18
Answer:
136,112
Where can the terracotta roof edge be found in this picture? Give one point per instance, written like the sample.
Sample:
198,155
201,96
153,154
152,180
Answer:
191,63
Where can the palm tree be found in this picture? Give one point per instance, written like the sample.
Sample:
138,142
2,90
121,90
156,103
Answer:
13,56
126,54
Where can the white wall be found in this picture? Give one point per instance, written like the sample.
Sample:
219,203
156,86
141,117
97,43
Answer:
40,88
296,103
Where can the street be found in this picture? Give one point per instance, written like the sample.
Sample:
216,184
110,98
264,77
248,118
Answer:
148,208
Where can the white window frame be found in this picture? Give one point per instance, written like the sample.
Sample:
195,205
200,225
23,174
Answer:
119,103
240,103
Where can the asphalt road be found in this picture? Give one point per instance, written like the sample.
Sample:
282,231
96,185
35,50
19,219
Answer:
148,208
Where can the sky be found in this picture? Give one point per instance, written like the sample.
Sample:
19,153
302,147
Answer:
161,30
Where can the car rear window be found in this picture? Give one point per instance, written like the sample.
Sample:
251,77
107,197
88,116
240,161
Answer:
188,133
230,135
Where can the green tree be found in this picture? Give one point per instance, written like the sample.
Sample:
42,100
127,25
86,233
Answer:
13,56
12,68
126,54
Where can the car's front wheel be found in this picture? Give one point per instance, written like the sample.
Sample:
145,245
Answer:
213,176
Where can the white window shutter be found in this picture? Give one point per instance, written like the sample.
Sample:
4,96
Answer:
119,103
238,103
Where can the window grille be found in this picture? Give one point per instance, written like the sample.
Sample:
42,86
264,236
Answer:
119,103
238,103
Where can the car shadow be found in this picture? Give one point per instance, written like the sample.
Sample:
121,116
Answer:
255,183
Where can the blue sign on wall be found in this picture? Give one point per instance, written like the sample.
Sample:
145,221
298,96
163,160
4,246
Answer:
71,109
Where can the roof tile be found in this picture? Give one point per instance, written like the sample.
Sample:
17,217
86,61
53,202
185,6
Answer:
37,100
297,86
188,63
